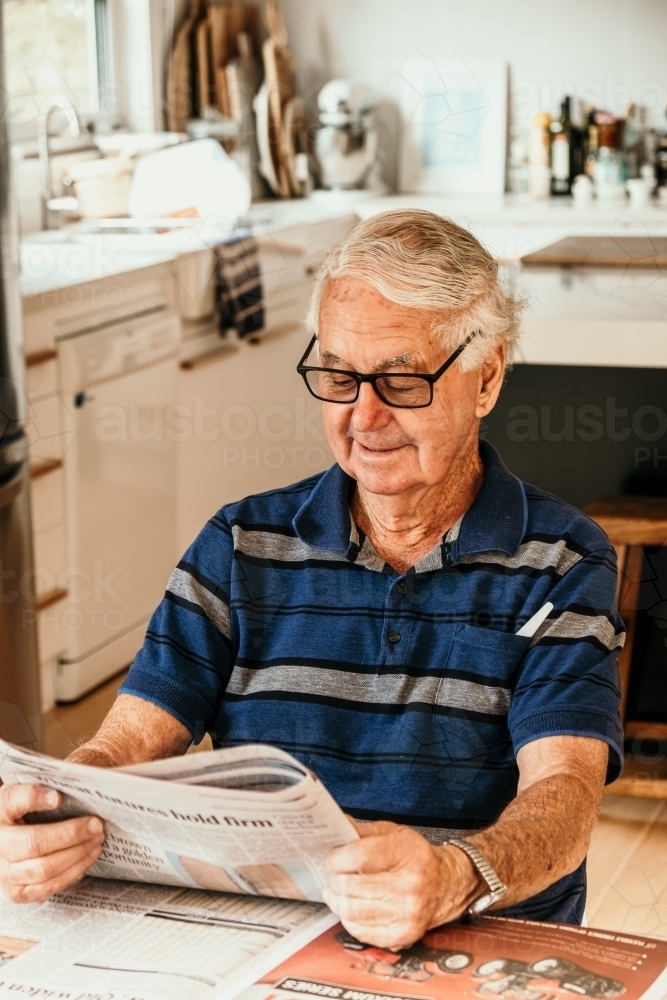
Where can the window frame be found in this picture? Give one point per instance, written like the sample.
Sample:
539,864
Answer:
101,80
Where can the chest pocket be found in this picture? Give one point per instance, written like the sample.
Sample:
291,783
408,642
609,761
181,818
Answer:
480,670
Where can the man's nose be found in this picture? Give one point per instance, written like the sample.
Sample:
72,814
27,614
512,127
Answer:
369,412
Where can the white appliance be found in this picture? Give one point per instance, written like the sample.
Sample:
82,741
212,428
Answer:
345,144
117,381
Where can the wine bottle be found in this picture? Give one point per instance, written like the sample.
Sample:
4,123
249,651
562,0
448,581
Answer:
562,142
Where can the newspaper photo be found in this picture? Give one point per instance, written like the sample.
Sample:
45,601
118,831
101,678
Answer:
489,959
110,940
249,820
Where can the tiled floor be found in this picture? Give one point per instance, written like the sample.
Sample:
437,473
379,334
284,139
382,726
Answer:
627,862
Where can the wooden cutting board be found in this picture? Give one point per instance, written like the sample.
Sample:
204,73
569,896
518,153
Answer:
602,251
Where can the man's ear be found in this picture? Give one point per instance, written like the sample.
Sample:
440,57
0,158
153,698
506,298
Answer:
491,376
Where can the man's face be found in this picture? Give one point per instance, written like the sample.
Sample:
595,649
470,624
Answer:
389,450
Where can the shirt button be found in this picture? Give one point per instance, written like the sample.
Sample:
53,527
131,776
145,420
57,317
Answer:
401,588
394,637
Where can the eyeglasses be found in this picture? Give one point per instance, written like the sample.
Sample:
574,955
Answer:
405,390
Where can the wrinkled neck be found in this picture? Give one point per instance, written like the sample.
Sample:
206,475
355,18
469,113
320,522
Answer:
405,527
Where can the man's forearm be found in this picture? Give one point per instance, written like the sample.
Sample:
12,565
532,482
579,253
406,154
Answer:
542,835
134,731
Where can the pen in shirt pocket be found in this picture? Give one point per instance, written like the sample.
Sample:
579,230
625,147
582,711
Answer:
532,625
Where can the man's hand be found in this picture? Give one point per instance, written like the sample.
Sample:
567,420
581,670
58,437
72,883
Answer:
37,860
391,886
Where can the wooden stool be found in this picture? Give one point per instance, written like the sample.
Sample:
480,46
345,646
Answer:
631,523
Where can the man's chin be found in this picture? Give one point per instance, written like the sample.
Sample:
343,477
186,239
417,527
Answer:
383,482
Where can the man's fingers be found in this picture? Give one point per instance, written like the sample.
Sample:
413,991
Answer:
369,912
374,853
40,892
381,885
17,800
390,937
377,829
33,871
18,843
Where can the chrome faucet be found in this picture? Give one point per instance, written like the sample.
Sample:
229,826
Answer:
63,105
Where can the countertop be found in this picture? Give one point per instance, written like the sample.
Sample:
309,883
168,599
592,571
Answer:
573,316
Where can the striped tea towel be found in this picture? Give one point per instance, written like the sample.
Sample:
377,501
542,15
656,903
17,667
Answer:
238,285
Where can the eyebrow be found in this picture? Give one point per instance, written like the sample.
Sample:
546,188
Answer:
400,361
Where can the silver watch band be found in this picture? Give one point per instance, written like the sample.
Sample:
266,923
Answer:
496,888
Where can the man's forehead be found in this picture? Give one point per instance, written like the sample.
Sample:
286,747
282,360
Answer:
395,361
361,329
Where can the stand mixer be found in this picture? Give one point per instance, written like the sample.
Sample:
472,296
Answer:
346,142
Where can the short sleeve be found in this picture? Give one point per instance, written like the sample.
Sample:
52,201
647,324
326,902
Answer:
568,682
185,661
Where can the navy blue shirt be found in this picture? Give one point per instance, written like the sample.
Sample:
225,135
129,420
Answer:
409,694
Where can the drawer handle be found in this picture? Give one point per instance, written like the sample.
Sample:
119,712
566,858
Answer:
187,364
44,466
39,358
53,596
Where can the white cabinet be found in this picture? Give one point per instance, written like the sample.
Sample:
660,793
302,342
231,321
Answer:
53,437
245,422
47,504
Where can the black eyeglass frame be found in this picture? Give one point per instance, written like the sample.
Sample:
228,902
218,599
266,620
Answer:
431,379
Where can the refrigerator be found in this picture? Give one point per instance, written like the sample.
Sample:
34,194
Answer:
20,700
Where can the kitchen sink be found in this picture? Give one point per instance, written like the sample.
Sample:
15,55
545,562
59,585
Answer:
100,248
128,235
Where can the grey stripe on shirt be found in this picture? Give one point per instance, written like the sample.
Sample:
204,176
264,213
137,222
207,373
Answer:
283,548
183,584
572,625
372,688
532,555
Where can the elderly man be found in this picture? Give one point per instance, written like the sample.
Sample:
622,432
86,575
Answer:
366,620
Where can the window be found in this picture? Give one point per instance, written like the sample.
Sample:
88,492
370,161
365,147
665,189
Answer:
55,48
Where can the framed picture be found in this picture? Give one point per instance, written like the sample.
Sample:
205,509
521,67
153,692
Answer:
455,126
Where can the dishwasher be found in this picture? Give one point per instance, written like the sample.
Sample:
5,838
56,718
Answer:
117,381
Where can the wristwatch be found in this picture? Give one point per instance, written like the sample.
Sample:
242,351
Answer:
496,888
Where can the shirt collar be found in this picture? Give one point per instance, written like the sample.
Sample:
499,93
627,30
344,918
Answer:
496,520
324,520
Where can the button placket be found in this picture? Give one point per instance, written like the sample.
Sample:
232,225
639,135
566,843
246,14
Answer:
395,591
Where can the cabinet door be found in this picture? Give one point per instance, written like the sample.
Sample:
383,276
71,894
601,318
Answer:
120,496
246,424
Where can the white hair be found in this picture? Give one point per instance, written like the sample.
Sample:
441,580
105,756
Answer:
423,261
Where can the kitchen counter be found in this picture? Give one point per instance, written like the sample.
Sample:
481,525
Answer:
574,316
510,226
592,316
77,253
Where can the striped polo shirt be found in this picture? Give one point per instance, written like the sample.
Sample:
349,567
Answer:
408,694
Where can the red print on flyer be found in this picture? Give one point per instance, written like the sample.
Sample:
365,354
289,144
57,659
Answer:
493,958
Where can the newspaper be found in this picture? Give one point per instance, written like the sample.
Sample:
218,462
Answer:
110,940
489,958
249,820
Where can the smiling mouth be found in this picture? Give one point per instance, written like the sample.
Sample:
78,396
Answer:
379,451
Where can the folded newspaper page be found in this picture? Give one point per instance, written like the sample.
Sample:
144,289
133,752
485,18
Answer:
110,940
249,820
492,957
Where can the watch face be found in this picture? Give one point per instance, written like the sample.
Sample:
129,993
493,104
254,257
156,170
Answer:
482,903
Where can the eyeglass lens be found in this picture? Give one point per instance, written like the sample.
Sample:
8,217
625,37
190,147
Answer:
339,387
